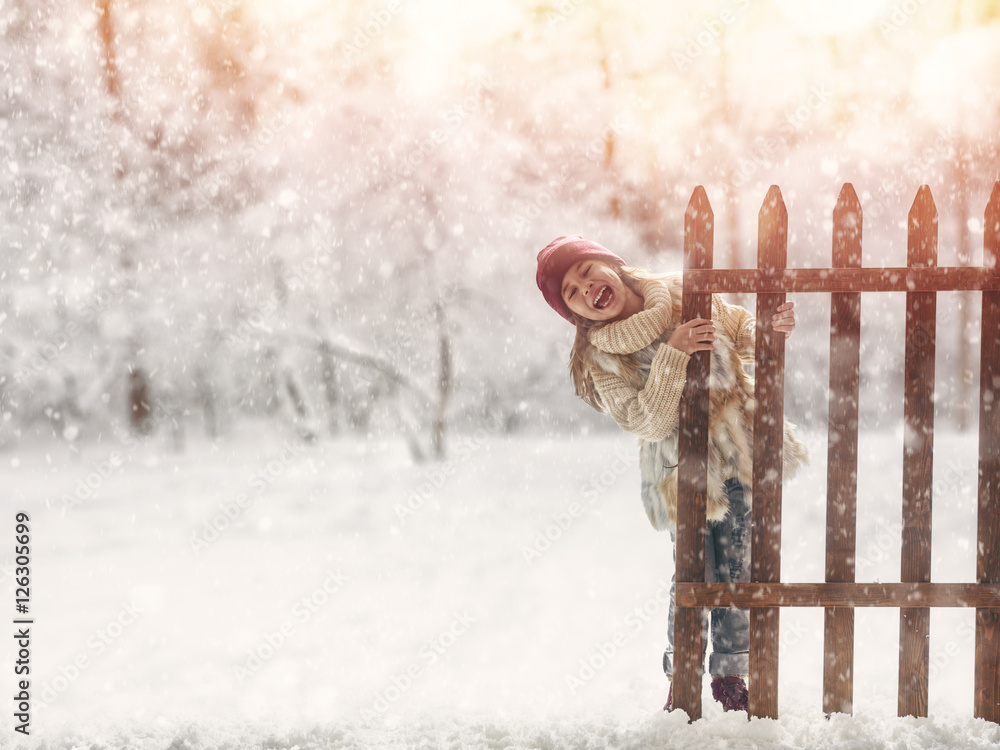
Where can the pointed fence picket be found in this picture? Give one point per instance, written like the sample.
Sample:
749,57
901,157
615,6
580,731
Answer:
842,456
840,594
692,464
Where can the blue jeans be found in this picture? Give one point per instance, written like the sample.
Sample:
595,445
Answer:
727,560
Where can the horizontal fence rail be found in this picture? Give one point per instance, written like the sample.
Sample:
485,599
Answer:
806,280
839,594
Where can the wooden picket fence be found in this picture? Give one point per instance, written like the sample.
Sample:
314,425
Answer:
840,594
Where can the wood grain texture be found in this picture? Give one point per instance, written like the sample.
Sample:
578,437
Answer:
918,455
842,456
838,660
987,679
904,595
768,441
692,470
764,648
829,280
915,595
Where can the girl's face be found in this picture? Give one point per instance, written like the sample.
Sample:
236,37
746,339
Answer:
594,290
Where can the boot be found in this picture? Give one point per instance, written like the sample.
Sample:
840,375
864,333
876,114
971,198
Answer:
731,692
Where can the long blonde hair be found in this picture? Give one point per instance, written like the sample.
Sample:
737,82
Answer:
581,355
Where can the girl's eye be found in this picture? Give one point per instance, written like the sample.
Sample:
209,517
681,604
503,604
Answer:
586,271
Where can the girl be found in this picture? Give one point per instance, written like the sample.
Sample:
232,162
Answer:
630,359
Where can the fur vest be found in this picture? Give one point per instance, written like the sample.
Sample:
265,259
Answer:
730,431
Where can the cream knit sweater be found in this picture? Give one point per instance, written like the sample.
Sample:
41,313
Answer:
653,411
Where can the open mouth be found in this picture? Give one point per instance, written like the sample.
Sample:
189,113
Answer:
603,298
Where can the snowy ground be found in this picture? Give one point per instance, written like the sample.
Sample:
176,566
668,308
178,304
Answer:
323,615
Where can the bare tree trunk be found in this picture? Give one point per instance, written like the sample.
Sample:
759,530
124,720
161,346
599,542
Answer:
615,204
208,397
140,397
445,378
330,387
110,63
300,407
172,412
140,404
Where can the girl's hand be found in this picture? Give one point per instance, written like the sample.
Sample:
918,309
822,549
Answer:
784,319
694,336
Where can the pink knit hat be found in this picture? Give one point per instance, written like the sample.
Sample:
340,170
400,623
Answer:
557,258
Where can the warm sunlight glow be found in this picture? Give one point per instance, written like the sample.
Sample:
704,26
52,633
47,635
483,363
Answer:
302,455
948,82
274,10
826,18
